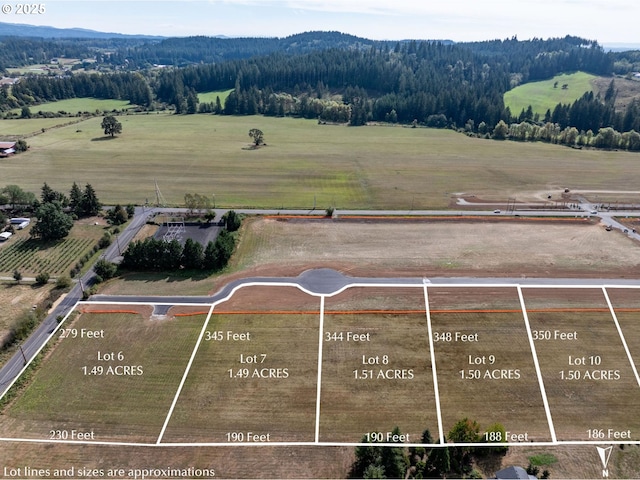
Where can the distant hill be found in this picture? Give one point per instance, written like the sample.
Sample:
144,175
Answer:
181,51
24,30
621,47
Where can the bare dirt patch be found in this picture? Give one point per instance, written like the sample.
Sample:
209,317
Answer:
96,220
627,90
145,232
270,299
16,299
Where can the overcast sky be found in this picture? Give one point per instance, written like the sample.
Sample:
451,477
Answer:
608,21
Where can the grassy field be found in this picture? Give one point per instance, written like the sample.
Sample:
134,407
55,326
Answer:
69,393
80,105
45,68
542,96
15,300
487,247
19,127
269,247
360,397
588,379
303,162
264,383
210,97
482,353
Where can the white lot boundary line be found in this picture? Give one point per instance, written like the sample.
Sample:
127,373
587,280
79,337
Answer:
570,286
624,342
184,376
554,442
319,381
433,365
317,444
414,285
543,391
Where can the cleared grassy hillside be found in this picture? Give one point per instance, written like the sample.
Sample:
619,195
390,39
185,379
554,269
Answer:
545,95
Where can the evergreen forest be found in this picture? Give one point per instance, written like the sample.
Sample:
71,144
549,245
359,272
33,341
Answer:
334,77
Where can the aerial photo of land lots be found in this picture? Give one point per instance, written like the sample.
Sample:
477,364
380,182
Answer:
318,256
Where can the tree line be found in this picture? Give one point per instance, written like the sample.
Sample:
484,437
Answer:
133,87
458,461
158,255
424,462
458,86
24,51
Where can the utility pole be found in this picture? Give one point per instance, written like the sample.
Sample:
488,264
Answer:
23,355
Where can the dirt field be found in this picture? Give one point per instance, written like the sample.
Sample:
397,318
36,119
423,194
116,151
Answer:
368,248
270,247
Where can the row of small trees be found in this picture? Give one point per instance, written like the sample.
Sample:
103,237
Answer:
606,138
158,255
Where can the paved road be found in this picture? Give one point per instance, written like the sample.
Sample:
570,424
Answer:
319,282
325,281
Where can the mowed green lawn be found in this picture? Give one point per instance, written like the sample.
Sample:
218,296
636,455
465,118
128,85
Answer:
75,105
346,167
542,96
210,97
21,127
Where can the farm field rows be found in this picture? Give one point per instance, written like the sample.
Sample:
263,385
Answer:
274,365
31,257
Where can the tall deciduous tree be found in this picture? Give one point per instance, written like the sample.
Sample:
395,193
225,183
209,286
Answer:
18,197
117,215
195,201
257,136
500,131
464,431
111,125
52,223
